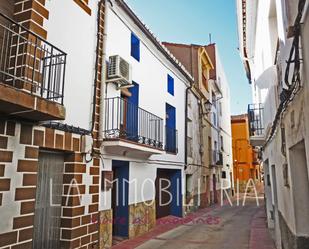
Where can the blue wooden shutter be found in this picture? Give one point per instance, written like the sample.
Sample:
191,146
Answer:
135,47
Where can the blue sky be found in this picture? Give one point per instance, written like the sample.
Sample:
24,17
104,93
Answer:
191,21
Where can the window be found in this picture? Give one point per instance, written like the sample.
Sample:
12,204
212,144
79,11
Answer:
135,47
221,142
189,185
170,84
283,141
223,174
220,107
214,119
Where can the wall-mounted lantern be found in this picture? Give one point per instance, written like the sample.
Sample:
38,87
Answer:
207,106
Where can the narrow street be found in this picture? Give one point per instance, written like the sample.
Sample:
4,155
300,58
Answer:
173,124
238,227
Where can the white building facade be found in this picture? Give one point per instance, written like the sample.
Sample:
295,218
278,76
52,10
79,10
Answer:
274,46
221,170
49,172
144,127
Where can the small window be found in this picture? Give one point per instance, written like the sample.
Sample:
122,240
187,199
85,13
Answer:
221,142
223,174
135,47
214,119
170,84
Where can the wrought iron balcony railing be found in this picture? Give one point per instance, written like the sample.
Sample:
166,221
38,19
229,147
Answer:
216,157
29,62
256,119
125,120
171,140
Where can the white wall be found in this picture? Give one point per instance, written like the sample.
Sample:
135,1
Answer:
142,176
72,30
225,124
287,204
151,75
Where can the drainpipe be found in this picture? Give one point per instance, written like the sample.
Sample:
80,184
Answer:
186,124
103,79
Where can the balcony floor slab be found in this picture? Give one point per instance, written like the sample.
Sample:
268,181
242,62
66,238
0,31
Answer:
19,103
125,147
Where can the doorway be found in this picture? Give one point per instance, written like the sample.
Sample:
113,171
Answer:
120,198
300,186
47,216
170,121
132,114
168,193
207,190
268,194
214,187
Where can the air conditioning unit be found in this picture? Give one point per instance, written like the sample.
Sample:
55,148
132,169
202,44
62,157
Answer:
119,71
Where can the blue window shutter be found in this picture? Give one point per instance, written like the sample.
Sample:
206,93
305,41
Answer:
135,47
170,84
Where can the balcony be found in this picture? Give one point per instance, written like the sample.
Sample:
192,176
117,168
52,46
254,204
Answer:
131,129
32,73
256,124
216,158
171,140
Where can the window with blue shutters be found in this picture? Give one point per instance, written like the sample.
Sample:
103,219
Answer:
135,47
170,84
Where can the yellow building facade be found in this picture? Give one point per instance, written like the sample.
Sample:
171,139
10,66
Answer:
245,158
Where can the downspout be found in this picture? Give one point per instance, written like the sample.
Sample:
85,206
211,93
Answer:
103,74
186,124
186,113
96,71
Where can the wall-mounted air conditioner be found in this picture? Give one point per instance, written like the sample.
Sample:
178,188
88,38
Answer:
119,71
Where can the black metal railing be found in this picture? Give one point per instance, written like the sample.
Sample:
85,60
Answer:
29,62
125,120
216,157
171,140
256,119
220,158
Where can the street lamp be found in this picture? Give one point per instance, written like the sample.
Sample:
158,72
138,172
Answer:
207,106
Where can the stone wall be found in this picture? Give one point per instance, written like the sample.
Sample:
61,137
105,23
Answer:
106,228
142,218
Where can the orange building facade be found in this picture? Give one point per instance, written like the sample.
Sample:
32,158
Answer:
245,159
